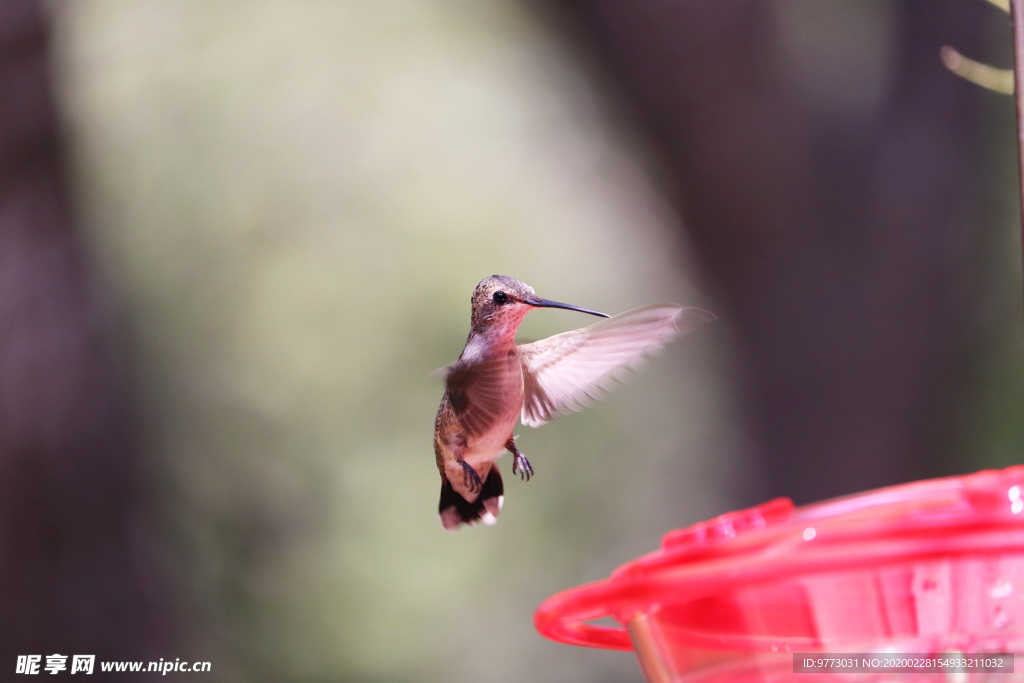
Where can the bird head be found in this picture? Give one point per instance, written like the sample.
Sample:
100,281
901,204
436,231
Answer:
500,303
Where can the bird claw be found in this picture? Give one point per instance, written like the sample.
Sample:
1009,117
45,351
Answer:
522,467
470,478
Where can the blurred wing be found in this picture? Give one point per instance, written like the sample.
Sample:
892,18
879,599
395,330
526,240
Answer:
482,391
569,371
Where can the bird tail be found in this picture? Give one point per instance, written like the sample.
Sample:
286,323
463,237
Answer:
455,510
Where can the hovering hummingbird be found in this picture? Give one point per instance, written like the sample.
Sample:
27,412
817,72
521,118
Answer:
495,382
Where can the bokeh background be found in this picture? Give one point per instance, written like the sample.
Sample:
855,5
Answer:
235,238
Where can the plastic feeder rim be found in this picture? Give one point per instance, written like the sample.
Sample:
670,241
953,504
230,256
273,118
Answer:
933,566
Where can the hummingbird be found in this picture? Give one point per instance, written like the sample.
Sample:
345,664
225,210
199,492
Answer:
494,383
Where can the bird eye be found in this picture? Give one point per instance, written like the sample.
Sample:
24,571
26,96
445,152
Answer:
500,298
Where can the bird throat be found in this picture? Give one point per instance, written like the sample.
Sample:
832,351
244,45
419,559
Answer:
496,337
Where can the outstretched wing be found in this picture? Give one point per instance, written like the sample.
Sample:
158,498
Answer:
482,391
568,371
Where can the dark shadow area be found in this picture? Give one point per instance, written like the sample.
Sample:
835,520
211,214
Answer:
827,169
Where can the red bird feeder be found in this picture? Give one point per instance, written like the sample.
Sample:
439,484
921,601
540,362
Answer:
929,567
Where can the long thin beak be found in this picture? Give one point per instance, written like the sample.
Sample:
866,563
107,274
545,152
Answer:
545,303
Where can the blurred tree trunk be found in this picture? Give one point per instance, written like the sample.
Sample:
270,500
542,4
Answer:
76,575
834,229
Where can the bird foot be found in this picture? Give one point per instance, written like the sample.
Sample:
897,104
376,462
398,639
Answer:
470,478
521,466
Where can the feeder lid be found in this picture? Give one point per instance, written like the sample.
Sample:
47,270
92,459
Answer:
977,513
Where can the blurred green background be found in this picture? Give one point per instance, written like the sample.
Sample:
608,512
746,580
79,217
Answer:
295,201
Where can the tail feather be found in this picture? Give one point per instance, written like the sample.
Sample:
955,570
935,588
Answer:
455,510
